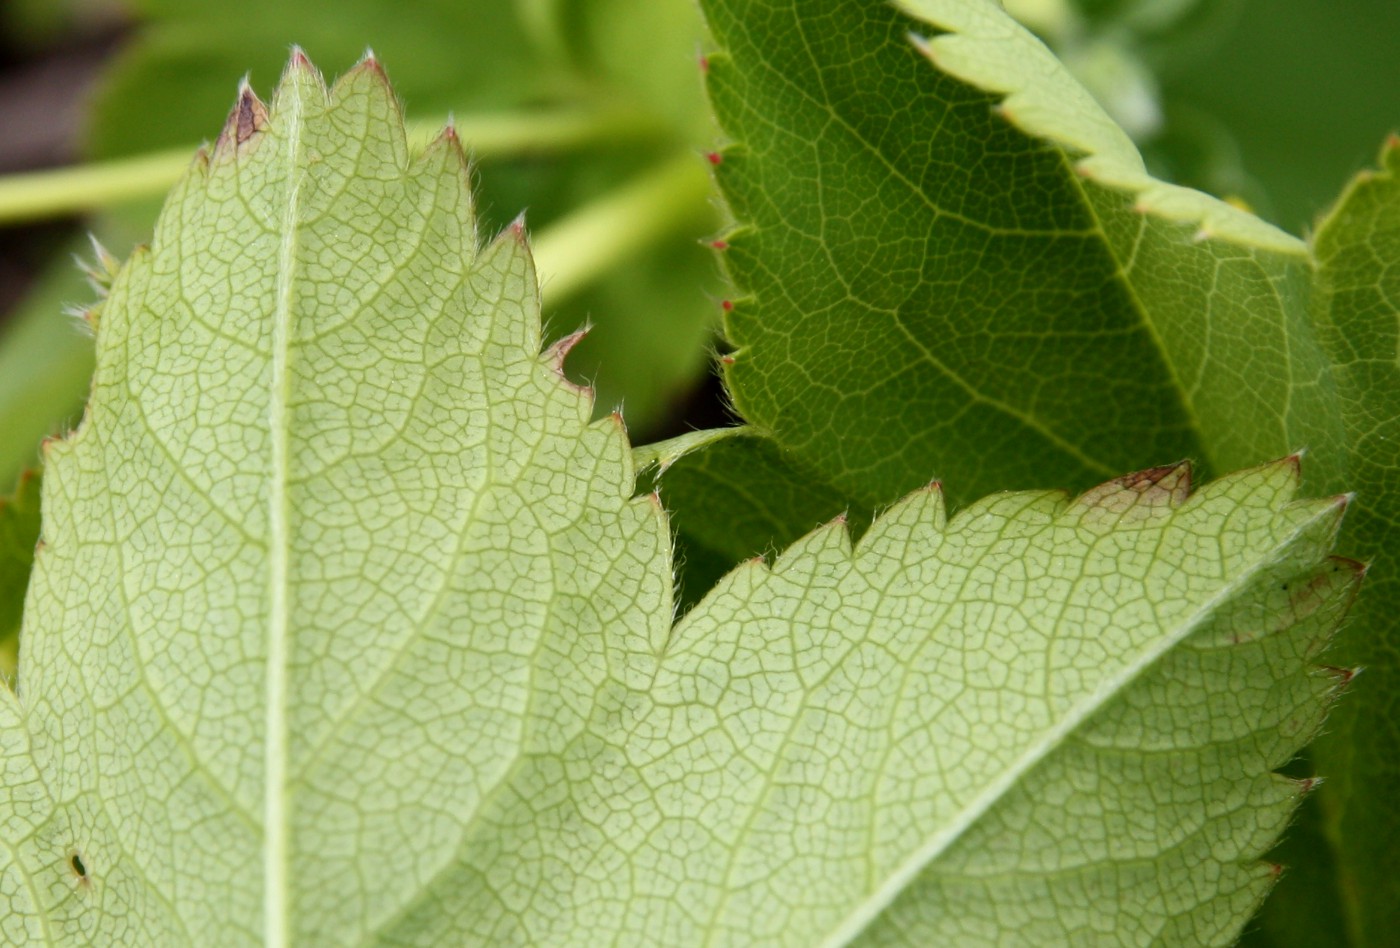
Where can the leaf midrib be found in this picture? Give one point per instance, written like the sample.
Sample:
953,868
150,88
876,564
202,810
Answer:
276,916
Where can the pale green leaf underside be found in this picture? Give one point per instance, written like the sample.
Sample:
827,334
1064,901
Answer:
345,630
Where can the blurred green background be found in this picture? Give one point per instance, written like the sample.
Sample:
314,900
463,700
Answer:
1274,103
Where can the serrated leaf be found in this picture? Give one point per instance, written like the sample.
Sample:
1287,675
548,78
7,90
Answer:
476,55
952,264
1356,248
345,629
739,498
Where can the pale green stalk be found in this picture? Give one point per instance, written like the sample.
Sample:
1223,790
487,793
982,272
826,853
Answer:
575,250
50,193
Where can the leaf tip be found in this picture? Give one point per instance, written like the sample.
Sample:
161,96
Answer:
1341,677
1357,568
297,60
245,120
1307,785
370,63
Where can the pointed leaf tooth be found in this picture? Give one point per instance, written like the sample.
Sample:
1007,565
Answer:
1138,495
247,117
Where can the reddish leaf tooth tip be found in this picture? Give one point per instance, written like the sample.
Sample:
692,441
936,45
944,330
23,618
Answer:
726,360
1307,785
727,306
714,158
1344,676
704,63
720,244
1356,566
1275,869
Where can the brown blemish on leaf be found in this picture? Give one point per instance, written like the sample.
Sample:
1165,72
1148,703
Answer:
79,870
560,350
246,119
1141,493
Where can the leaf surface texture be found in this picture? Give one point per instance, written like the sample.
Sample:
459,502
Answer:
346,629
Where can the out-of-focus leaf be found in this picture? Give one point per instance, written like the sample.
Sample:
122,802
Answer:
647,50
45,363
176,69
19,531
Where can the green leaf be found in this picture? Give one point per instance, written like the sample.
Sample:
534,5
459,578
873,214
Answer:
19,531
346,628
1356,247
952,264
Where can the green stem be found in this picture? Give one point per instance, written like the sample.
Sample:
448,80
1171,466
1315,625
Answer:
592,240
665,453
40,194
